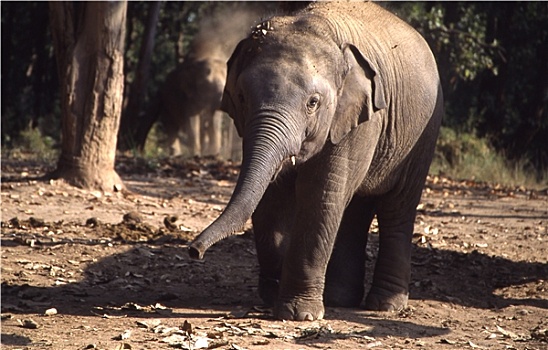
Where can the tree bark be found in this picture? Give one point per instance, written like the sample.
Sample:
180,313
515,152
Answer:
89,41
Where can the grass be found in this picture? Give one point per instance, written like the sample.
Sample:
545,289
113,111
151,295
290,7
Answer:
465,156
155,145
32,145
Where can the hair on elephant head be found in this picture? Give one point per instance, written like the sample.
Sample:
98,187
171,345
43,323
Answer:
346,98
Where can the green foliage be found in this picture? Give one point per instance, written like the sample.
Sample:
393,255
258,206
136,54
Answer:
177,24
154,147
29,77
493,63
462,39
465,40
32,144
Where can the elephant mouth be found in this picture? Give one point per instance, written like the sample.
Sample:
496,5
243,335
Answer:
286,165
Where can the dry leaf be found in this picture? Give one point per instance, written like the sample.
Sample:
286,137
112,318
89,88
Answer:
236,347
187,328
123,336
472,345
161,329
540,334
29,324
175,339
201,343
150,324
506,333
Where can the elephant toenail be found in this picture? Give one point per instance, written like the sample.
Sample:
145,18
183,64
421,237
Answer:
304,316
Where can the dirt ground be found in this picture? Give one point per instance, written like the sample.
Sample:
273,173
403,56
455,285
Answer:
91,270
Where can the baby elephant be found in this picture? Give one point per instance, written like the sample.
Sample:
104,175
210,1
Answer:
339,107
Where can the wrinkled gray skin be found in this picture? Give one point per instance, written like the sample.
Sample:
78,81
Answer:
353,94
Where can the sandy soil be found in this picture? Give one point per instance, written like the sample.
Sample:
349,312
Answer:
91,270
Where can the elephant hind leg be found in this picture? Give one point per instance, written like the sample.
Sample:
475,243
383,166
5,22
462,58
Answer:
390,287
193,131
344,284
396,215
173,141
212,134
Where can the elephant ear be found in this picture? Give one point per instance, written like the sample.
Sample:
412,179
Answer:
227,105
361,95
227,101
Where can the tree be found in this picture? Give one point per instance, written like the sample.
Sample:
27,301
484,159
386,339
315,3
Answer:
89,39
493,61
27,71
137,89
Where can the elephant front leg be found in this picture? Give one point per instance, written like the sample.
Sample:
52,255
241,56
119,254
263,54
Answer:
319,213
272,220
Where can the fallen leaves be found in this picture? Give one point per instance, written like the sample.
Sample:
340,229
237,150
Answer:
540,333
508,334
117,284
123,336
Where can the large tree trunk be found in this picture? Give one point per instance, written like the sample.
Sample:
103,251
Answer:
89,40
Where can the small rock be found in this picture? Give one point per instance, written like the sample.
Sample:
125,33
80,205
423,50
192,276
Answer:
15,223
123,336
132,218
51,312
92,222
35,222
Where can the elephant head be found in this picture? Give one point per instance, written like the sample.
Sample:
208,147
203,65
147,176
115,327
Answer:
291,87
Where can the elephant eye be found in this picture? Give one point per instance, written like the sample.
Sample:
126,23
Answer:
313,103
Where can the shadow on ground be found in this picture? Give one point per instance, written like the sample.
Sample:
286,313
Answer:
146,274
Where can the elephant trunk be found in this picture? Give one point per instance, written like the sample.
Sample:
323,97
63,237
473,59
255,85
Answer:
263,155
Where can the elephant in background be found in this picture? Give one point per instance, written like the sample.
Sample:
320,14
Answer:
339,107
188,102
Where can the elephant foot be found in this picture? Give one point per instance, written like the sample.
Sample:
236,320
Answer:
383,300
343,296
300,310
268,290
